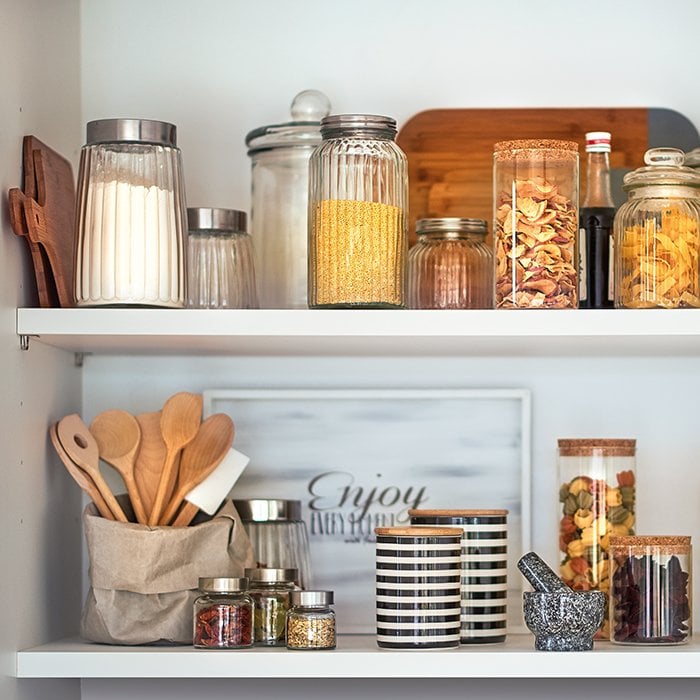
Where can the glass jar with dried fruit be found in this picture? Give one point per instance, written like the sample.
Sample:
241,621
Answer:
597,496
651,589
656,235
536,185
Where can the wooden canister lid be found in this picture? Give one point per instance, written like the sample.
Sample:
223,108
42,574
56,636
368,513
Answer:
418,531
456,513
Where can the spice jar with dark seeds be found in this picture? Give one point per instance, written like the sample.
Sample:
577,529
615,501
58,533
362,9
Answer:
223,614
650,590
270,589
310,620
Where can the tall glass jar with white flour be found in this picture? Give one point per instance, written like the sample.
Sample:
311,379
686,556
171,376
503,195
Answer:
131,221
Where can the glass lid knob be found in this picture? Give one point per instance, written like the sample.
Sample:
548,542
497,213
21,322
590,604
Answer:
310,106
664,156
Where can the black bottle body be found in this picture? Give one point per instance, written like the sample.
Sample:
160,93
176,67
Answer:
597,222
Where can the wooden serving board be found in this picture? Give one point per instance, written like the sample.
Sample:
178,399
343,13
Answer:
450,151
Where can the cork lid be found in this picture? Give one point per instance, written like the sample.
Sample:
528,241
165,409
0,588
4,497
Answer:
586,447
536,148
640,544
464,513
418,531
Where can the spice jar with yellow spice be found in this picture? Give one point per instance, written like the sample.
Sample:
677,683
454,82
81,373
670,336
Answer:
358,202
656,235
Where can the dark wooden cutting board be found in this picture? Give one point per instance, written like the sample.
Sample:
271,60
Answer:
450,151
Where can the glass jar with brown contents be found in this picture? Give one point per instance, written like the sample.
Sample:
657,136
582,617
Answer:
358,201
656,235
535,224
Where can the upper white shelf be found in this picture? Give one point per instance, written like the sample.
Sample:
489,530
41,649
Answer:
365,332
358,656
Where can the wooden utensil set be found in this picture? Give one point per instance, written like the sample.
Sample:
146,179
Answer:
160,456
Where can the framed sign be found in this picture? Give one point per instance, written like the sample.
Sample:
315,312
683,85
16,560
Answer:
361,458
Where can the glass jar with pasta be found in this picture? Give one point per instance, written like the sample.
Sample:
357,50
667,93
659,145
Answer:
656,235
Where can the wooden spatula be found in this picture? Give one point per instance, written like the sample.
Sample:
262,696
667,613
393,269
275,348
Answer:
80,477
179,422
78,442
199,459
118,437
150,459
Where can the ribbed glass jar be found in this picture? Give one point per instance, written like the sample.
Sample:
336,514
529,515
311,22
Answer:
358,207
131,219
657,241
450,267
220,264
536,185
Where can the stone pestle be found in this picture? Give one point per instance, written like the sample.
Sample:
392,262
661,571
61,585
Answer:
541,577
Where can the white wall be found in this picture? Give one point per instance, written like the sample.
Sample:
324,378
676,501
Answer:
219,68
39,505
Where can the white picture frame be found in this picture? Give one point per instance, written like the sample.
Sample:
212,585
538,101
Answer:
359,458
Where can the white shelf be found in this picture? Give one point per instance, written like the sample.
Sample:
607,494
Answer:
357,656
365,332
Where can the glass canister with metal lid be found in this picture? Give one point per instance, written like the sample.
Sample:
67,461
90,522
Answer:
656,235
279,156
278,535
131,221
358,207
220,266
450,267
270,589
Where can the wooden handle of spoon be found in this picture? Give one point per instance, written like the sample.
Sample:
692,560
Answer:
168,479
186,515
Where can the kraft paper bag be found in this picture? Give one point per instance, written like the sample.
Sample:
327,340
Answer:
143,580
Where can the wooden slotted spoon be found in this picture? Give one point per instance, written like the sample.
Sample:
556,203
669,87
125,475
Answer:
118,437
80,477
179,422
78,442
199,458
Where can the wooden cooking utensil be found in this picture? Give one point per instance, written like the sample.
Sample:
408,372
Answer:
199,459
179,422
150,459
78,442
80,477
118,437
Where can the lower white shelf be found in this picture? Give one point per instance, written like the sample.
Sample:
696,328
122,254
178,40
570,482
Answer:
357,656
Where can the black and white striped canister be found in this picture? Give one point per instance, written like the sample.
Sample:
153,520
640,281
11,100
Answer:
484,580
418,587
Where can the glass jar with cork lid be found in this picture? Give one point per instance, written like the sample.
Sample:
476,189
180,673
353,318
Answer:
358,206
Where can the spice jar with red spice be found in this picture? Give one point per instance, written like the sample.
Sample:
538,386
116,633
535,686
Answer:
223,614
597,496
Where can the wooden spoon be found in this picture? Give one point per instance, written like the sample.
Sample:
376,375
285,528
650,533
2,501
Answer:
179,423
150,459
80,477
118,437
199,458
78,442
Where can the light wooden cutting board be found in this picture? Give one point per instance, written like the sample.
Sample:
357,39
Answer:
450,151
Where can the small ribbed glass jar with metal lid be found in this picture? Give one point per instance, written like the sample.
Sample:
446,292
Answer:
131,220
278,535
270,589
358,206
450,267
657,241
220,263
311,620
223,614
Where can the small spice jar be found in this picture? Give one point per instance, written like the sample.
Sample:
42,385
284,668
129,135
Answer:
358,206
650,594
223,614
657,238
536,185
220,267
270,589
450,267
310,620
598,499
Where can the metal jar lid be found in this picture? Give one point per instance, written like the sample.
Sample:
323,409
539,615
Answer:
215,219
310,598
272,575
223,584
307,110
131,130
451,225
265,510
